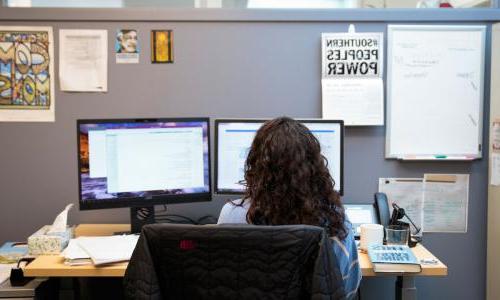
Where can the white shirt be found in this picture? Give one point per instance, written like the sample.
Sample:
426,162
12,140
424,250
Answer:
234,214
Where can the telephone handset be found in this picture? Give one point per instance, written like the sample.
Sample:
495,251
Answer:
398,213
382,208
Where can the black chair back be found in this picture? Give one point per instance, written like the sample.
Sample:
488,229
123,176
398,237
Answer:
234,262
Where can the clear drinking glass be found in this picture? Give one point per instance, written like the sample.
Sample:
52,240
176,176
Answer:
397,235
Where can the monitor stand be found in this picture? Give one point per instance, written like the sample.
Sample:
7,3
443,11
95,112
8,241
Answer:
140,216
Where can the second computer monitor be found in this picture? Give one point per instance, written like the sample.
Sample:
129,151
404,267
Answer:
233,138
143,162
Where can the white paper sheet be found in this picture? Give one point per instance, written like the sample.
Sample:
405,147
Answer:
74,251
109,249
446,200
495,153
407,193
83,60
5,271
356,101
495,169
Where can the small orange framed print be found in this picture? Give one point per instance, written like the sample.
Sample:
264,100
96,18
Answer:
162,44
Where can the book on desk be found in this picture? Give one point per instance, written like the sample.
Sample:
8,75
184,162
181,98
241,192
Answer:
11,252
393,259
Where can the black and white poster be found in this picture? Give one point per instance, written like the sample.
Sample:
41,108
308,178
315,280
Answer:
352,72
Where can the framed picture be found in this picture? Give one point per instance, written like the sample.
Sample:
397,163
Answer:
26,74
162,44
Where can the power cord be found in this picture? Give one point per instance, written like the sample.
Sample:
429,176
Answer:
208,219
171,218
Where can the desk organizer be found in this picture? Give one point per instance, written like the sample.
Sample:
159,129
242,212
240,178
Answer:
43,243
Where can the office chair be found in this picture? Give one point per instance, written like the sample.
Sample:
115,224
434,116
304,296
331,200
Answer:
173,261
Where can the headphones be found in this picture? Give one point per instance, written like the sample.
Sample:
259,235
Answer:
398,213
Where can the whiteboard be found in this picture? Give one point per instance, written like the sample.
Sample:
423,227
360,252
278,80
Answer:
435,83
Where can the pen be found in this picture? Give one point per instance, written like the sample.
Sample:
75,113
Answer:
440,156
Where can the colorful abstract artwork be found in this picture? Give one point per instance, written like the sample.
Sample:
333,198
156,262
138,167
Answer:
26,68
162,44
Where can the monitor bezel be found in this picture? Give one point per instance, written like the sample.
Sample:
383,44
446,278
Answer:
219,191
142,201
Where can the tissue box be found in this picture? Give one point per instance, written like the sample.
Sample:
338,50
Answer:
42,243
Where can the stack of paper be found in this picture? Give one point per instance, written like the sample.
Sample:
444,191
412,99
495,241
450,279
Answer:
100,250
5,271
74,255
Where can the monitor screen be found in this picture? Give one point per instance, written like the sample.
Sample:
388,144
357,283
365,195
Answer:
143,162
360,214
234,138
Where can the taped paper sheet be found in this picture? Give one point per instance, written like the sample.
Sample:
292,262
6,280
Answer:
407,193
446,200
83,60
495,169
5,271
495,153
356,101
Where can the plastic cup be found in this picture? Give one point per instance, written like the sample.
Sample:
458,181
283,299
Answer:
396,235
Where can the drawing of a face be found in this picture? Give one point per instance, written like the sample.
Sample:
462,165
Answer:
128,41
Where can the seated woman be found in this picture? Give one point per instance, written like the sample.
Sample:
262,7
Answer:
287,182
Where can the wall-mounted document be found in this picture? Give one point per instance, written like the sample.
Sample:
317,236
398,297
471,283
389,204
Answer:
446,201
495,169
495,152
435,82
27,74
407,193
352,85
436,203
83,60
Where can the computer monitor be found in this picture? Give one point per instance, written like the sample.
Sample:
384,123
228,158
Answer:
143,162
233,138
360,214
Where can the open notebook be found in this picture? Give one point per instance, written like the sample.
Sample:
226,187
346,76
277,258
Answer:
101,250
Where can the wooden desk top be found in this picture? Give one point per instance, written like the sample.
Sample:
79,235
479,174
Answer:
53,265
420,252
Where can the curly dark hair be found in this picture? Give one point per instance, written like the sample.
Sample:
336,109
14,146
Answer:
287,179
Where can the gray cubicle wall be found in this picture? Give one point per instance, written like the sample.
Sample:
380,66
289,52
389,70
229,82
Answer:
227,64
